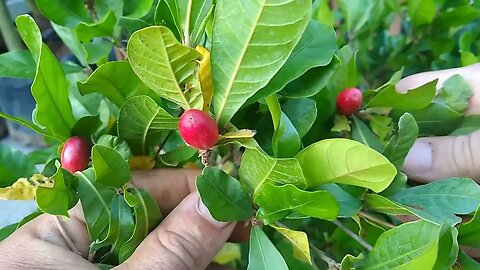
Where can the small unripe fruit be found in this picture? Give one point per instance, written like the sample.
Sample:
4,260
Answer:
75,154
198,129
349,101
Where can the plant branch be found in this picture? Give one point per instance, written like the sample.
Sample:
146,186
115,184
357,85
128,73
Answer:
357,238
162,144
7,29
332,264
376,220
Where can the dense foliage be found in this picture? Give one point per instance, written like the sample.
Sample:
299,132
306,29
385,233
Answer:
327,187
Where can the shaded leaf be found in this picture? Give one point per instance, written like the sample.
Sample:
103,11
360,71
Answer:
455,93
400,144
263,255
116,143
17,64
302,113
469,124
57,200
349,205
299,241
362,133
13,165
111,168
103,28
67,13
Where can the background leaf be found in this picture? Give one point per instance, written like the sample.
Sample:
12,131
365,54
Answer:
421,11
13,165
302,113
67,13
17,64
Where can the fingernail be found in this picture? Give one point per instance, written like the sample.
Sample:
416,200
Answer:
419,158
203,210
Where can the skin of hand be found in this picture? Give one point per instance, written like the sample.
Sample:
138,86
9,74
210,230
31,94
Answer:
433,158
188,238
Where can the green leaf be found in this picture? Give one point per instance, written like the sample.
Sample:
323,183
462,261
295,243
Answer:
315,48
469,124
458,16
116,143
285,141
399,183
200,12
455,94
17,64
346,74
400,144
111,168
468,233
263,255
414,99
350,262
357,14
13,165
346,162
147,217
95,199
258,169
447,248
341,124
166,14
302,113
117,82
441,201
71,41
141,121
382,126
86,126
162,63
31,126
421,11
466,262
137,9
131,25
409,246
436,119
67,13
223,195
349,205
362,133
275,200
7,231
381,204
244,60
98,51
50,86
103,28
59,199
299,241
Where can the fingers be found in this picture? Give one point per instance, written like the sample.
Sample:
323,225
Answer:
187,239
441,157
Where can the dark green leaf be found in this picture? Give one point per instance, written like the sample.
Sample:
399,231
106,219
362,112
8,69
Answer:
7,231
302,113
362,133
421,11
166,14
468,233
13,165
466,262
59,199
447,248
17,64
137,9
31,126
469,124
413,99
223,195
111,168
115,143
346,74
67,13
458,16
400,144
263,255
86,126
103,28
97,52
349,205
437,120
455,94
399,183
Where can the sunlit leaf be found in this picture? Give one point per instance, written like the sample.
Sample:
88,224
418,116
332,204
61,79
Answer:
299,241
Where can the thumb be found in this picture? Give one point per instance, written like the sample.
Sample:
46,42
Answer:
434,158
188,238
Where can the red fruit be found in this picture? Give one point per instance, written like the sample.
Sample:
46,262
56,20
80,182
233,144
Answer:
198,129
349,101
75,154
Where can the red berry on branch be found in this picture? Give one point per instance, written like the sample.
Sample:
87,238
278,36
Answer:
75,154
198,129
349,101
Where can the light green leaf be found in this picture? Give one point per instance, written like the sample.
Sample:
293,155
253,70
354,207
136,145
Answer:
13,165
381,204
17,64
111,169
163,64
223,195
263,255
455,93
421,11
66,13
299,241
341,124
141,122
414,99
469,124
258,169
117,82
136,9
50,86
302,113
278,201
59,199
436,120
362,133
346,162
400,144
98,51
245,59
382,126
408,246
71,41
103,28
349,205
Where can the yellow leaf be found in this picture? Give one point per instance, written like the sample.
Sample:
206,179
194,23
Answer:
24,189
141,163
229,252
299,240
205,74
239,134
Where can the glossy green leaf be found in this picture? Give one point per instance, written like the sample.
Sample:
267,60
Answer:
95,199
67,13
59,199
302,113
17,64
436,120
441,201
408,246
286,140
50,86
111,168
455,93
349,205
103,28
346,162
263,255
314,49
468,233
245,59
421,11
469,124
414,99
117,82
136,9
258,169
7,231
200,12
13,165
299,241
223,195
116,143
86,126
447,248
275,200
400,144
98,51
466,262
176,151
166,14
147,217
162,63
363,134
141,121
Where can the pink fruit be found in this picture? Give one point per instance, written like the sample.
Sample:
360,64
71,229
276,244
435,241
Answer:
349,101
198,129
75,154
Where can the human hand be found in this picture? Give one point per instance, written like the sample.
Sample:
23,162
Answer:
434,158
188,238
